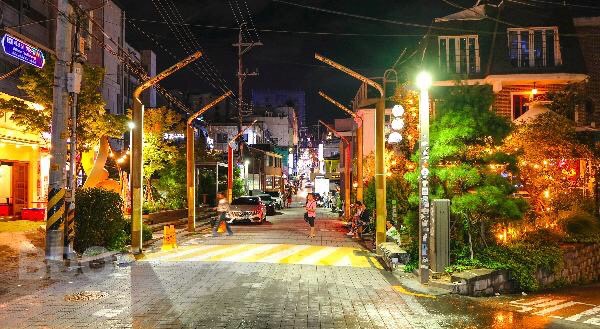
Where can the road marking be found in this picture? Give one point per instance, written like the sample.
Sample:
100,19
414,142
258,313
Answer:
224,249
402,290
248,253
555,308
591,311
544,306
269,253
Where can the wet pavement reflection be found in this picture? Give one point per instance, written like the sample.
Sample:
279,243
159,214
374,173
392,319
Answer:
577,307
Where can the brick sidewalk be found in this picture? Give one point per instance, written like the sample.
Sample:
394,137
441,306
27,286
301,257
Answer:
228,294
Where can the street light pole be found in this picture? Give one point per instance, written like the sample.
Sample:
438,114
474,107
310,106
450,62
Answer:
359,147
423,83
191,161
380,207
230,161
137,155
346,170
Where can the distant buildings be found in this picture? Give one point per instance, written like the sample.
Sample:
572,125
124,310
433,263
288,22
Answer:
271,99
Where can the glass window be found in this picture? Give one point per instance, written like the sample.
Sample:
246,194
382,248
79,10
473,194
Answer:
459,54
534,47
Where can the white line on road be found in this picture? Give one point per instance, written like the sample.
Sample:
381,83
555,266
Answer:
248,253
589,312
283,254
555,308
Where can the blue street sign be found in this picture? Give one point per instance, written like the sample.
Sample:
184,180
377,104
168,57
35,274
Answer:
20,50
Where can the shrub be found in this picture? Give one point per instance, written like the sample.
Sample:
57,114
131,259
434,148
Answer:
146,231
99,220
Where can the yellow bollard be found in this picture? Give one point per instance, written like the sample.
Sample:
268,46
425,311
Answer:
169,238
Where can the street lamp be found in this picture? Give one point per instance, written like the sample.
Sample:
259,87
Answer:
131,126
190,160
423,82
137,155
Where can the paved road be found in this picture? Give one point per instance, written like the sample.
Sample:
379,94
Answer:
265,276
275,276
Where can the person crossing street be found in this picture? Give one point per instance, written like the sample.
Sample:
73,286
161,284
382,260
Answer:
222,210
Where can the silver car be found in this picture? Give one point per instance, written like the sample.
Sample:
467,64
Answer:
247,209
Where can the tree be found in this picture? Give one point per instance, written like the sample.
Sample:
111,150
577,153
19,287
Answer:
92,119
468,167
159,152
548,160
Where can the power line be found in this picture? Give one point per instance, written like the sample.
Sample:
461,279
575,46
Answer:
185,39
323,33
368,18
565,4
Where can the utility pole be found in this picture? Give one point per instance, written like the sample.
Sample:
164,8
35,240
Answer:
58,152
242,48
73,87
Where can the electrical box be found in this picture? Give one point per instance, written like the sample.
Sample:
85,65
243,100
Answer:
440,235
74,79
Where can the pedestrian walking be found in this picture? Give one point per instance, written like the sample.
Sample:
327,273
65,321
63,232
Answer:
288,198
222,210
311,213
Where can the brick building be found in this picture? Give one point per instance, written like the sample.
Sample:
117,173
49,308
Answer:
522,52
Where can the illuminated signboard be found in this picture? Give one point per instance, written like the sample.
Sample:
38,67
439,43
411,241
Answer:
20,50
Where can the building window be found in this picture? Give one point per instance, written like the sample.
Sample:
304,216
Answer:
520,104
222,138
534,47
459,54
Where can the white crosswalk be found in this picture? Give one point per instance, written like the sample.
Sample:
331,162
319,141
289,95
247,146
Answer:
560,308
268,253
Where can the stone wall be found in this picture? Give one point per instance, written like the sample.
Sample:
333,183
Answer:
581,265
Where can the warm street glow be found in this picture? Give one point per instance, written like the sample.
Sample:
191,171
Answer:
424,80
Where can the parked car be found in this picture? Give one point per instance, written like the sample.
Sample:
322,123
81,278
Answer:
319,199
269,203
308,185
247,209
277,197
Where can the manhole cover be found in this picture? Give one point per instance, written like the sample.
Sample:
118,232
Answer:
83,296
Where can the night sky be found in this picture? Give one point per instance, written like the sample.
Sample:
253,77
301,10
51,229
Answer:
286,61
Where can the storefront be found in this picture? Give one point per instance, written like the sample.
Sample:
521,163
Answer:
24,168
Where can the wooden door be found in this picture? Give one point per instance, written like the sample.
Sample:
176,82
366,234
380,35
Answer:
20,175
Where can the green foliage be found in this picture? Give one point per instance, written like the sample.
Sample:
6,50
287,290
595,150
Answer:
538,250
238,183
566,100
465,139
99,220
580,226
159,153
92,119
397,188
171,185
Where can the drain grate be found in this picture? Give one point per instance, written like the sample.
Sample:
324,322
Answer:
83,296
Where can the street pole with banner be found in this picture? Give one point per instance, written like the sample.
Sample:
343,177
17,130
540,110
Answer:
423,83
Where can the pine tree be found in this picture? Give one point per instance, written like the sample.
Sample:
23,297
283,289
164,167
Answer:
468,167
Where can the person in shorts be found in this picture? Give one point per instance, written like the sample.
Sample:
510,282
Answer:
311,211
